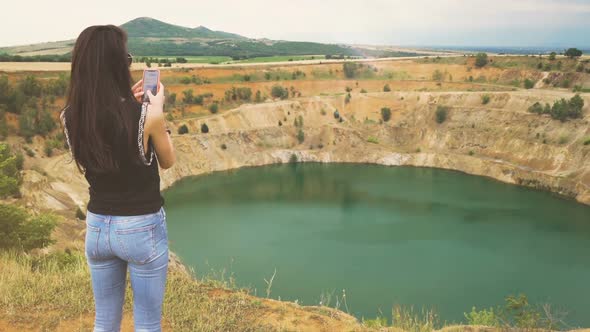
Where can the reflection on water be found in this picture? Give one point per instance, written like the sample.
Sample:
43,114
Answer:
387,235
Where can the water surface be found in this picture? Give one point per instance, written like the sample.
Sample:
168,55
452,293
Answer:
386,235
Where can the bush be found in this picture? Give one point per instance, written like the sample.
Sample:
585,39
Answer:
386,88
80,214
300,136
482,317
580,68
563,109
528,84
386,113
441,114
587,141
336,114
223,146
10,179
183,129
171,99
293,159
204,128
363,91
438,75
278,91
485,99
372,139
21,231
347,98
214,108
552,56
573,53
350,69
298,122
481,59
187,96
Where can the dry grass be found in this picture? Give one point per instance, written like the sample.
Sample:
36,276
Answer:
59,287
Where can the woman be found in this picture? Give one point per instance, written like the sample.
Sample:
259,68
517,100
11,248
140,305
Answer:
113,138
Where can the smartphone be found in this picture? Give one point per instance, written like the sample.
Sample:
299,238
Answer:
151,82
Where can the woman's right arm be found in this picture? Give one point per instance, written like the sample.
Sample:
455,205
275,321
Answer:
155,128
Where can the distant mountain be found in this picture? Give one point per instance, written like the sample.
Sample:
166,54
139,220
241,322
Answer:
149,27
151,37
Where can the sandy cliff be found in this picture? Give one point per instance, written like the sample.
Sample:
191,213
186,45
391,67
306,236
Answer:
499,140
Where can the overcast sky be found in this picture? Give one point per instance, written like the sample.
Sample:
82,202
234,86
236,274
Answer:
392,22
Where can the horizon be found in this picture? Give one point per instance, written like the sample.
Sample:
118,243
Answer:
504,24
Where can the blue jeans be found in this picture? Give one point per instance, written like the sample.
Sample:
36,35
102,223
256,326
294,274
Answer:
115,243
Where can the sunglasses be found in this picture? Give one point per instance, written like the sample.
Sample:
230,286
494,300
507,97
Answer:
129,59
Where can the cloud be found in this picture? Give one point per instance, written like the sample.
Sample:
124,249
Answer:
464,22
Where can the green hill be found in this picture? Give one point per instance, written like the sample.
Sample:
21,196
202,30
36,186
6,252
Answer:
148,36
149,27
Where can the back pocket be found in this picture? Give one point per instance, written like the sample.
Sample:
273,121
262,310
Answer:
91,241
137,244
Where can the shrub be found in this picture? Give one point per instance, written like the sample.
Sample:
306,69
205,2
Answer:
481,59
187,96
347,98
19,161
300,136
223,146
298,122
80,214
214,108
336,114
385,113
293,158
536,108
485,99
278,91
587,141
21,231
9,172
258,97
350,69
372,139
363,91
552,56
563,109
48,149
185,80
183,129
386,88
482,317
171,99
29,151
572,53
204,128
580,68
441,114
438,75
529,84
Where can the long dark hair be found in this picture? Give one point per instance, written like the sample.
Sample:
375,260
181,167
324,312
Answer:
97,111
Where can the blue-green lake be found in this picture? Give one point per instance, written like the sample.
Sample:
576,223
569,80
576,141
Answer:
386,235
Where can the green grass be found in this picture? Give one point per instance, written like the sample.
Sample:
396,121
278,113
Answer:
281,58
192,59
59,285
227,59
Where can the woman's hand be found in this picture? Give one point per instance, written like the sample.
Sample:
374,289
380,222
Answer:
137,90
157,101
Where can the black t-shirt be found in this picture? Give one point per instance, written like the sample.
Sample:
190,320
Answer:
134,189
